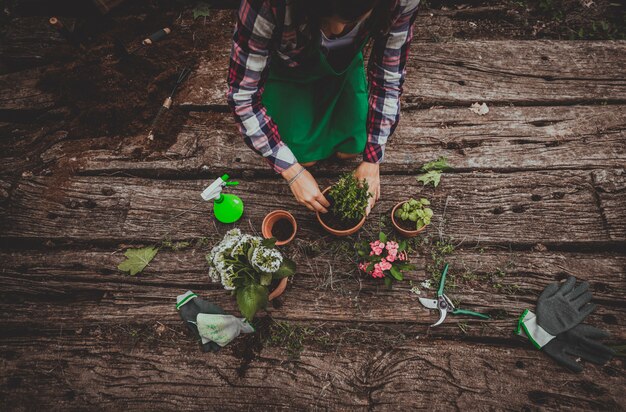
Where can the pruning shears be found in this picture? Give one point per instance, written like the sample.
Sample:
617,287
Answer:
445,305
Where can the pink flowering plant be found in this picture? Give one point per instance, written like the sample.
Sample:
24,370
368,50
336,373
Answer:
384,259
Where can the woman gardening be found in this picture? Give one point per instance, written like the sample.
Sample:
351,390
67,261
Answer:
298,90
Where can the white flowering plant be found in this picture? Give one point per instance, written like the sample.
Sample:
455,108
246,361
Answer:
247,265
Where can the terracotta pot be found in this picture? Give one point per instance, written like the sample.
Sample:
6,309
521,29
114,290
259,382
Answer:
400,229
270,220
337,232
280,288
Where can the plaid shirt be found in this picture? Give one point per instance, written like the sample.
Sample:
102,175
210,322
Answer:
264,30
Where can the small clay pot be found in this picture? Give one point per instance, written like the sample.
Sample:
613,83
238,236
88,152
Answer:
336,232
270,220
280,288
400,229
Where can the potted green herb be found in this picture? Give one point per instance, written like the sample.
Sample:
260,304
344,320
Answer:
249,266
411,217
348,200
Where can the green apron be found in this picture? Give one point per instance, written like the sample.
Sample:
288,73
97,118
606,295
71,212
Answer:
318,110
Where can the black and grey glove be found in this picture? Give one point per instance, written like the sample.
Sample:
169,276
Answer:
561,307
189,306
579,342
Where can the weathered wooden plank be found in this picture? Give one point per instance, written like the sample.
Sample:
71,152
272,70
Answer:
138,367
19,92
29,42
611,196
517,72
507,139
79,287
519,208
459,73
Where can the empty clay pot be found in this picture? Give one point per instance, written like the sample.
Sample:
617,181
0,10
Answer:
271,219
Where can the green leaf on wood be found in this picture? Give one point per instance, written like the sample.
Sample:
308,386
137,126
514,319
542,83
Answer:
137,259
439,164
433,177
251,299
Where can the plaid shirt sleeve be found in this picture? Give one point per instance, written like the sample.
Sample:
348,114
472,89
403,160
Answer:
386,71
248,70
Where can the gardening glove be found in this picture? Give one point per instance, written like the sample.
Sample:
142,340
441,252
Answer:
561,307
578,341
221,329
189,307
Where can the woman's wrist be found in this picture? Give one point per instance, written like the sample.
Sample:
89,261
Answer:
293,173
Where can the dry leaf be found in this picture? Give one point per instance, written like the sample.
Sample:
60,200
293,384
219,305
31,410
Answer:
479,109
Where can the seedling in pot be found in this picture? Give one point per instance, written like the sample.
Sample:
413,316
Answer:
415,211
348,199
412,216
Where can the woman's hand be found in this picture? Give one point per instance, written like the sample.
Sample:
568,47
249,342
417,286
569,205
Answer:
371,173
305,189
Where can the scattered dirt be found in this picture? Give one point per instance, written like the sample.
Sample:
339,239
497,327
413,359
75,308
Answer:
109,95
529,19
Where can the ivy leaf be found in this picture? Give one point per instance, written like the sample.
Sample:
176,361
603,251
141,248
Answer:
251,299
202,9
439,164
137,259
388,282
287,268
434,177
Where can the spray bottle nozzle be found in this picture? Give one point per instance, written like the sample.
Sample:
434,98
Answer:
227,208
214,190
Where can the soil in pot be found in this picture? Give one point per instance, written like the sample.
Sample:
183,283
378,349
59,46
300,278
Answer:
407,225
334,221
282,229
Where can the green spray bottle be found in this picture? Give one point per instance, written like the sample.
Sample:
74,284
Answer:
227,208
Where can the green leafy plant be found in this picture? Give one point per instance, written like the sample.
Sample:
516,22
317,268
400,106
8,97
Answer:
137,259
415,211
350,198
384,259
433,171
247,265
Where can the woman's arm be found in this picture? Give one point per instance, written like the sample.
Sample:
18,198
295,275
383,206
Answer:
385,73
247,72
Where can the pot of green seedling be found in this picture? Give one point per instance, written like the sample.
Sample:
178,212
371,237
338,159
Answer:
411,217
348,199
